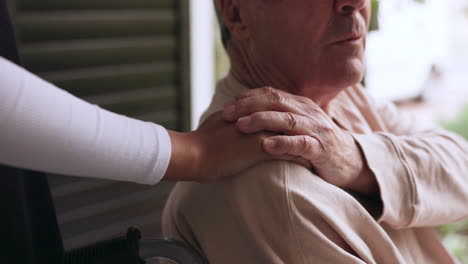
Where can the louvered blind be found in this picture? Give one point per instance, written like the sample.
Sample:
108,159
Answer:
128,56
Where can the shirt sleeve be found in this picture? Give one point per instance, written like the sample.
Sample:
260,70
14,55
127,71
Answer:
47,129
421,170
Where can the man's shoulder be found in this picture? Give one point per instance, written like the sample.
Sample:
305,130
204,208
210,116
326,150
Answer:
266,174
274,192
192,205
227,89
266,183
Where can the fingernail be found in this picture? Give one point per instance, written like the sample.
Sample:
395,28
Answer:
229,111
244,121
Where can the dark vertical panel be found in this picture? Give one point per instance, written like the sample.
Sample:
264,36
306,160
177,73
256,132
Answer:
128,56
183,32
30,233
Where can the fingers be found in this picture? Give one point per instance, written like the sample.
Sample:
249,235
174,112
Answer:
300,146
270,90
258,91
298,160
267,99
272,101
280,122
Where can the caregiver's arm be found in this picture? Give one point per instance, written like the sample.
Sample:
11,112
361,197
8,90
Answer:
47,129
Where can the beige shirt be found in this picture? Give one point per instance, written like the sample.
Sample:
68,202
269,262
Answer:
280,212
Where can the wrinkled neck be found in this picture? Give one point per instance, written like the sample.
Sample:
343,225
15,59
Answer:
250,71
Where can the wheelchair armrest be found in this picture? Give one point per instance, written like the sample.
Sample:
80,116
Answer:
170,249
131,249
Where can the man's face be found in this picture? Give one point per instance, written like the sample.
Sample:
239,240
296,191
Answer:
315,42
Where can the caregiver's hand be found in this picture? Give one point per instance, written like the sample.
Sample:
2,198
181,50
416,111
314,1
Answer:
217,150
307,131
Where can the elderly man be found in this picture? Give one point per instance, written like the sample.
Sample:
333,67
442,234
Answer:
379,180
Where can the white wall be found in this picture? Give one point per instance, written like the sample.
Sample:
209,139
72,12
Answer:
202,57
412,38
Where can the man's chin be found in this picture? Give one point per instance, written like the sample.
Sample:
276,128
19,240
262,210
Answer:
348,73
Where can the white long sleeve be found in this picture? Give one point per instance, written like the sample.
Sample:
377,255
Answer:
47,129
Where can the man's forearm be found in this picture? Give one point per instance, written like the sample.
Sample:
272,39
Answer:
412,170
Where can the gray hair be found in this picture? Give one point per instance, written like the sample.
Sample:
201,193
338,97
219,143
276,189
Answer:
225,32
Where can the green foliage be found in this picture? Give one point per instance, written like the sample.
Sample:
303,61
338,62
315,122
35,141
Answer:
374,22
455,236
460,125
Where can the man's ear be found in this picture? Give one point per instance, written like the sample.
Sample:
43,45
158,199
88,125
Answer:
234,18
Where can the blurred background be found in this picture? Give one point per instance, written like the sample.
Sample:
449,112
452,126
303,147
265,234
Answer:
417,56
158,60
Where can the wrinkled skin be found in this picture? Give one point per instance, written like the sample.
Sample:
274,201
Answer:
308,133
311,50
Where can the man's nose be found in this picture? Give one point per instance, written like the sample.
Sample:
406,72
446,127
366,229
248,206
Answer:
347,7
